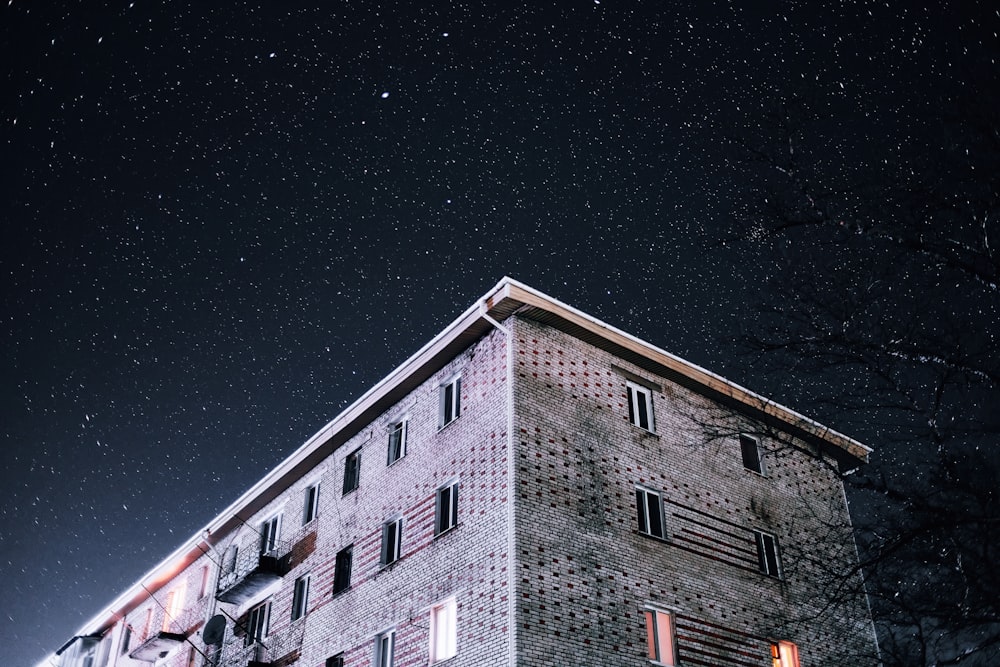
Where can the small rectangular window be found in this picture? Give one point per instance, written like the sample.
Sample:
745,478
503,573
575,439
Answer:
768,558
384,648
300,597
451,401
342,570
392,535
310,507
203,588
269,534
397,442
352,471
443,631
446,508
640,406
649,511
784,654
335,660
750,449
257,623
661,647
126,638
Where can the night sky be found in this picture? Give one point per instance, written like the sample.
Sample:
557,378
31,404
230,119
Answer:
223,222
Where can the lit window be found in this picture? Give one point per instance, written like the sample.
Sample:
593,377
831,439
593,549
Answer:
392,534
203,588
750,449
352,471
342,570
397,442
443,631
661,648
649,511
451,401
640,406
146,625
784,654
768,558
384,648
300,597
257,621
310,503
446,508
172,608
269,534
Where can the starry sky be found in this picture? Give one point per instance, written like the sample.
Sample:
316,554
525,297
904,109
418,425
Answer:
224,221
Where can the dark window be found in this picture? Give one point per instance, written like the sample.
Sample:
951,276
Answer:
300,597
446,508
768,558
751,454
311,506
352,471
269,534
640,406
342,570
397,442
649,511
126,638
335,661
257,621
451,401
392,533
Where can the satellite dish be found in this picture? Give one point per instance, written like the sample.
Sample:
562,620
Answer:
214,629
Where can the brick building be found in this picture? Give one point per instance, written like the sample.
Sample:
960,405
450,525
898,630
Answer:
533,487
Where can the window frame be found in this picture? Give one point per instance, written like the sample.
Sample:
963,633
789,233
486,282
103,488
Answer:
343,564
352,471
269,531
300,596
642,507
443,642
335,660
446,510
310,503
392,541
397,445
751,454
784,654
385,648
258,618
661,636
768,560
640,396
450,401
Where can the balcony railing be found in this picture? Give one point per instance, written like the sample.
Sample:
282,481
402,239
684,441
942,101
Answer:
167,632
277,648
252,572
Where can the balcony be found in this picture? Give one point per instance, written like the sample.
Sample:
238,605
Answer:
251,572
278,649
172,633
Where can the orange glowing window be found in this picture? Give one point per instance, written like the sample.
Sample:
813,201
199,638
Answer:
784,654
661,648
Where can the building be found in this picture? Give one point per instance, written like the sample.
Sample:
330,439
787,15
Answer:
533,487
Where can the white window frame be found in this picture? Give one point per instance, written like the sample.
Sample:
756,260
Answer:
398,432
446,511
310,503
385,645
451,401
392,541
270,530
768,554
203,584
444,631
258,623
661,636
784,654
640,399
756,459
645,522
300,597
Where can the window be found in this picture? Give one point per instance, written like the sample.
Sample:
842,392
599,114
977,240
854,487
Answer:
784,654
300,597
146,624
126,639
649,511
310,504
451,401
269,534
443,631
229,564
640,406
172,608
342,570
660,645
446,508
335,660
257,621
352,471
751,454
203,587
383,648
392,533
768,558
397,441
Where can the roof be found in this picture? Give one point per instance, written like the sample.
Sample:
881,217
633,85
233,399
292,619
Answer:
507,298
